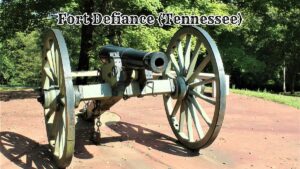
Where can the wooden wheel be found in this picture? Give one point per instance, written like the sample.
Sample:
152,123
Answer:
195,63
58,97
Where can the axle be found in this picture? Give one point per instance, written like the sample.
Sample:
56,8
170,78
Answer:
104,91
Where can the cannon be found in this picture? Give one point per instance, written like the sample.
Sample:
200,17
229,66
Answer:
193,112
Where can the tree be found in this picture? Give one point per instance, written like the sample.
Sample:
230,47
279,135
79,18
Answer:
26,16
253,53
20,60
86,40
270,33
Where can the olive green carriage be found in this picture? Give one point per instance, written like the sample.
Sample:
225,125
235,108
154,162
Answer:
183,75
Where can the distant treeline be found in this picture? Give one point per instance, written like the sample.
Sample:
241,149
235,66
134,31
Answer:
256,54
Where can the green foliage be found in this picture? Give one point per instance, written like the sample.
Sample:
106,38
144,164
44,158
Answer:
246,69
25,16
73,42
146,38
20,60
151,6
253,53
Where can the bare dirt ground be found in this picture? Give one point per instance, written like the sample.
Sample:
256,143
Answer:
255,134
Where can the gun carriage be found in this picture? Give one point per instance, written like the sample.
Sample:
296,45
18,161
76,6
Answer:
126,72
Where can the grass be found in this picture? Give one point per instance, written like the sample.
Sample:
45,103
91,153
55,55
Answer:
9,88
278,98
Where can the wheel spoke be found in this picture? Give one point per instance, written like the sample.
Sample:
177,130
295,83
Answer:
194,59
182,117
175,64
196,121
187,52
199,69
201,111
170,75
58,140
58,73
180,56
169,104
203,82
49,74
50,61
53,59
64,114
176,107
49,112
56,144
189,123
60,137
203,97
62,142
46,82
56,122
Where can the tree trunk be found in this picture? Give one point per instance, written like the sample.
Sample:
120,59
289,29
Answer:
86,41
293,80
284,80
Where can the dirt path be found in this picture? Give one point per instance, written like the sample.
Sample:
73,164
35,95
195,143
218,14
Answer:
255,134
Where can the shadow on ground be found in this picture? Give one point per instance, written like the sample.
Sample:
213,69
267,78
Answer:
127,131
27,153
14,95
24,152
148,138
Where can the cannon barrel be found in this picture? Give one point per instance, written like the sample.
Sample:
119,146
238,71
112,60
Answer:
135,59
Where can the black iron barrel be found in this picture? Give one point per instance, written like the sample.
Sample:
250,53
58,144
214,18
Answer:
136,59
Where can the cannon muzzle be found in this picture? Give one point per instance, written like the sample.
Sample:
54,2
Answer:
135,59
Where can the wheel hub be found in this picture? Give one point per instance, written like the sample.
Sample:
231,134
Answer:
48,97
181,88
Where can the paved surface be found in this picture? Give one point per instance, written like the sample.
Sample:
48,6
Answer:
255,134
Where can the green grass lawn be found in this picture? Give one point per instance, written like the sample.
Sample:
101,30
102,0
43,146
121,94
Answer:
8,88
283,99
